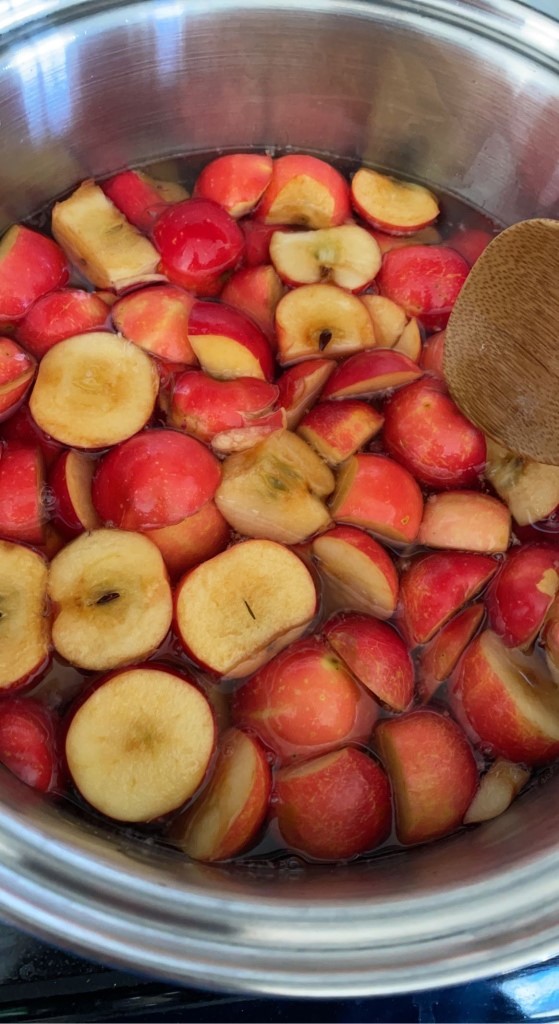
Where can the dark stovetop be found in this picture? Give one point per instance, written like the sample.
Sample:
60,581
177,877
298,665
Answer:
40,983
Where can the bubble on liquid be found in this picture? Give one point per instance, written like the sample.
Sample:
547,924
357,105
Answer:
48,500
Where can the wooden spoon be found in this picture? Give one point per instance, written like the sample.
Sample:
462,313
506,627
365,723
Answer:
501,356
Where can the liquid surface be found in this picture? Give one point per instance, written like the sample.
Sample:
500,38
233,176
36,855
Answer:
63,682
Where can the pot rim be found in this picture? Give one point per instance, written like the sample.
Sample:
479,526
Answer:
184,935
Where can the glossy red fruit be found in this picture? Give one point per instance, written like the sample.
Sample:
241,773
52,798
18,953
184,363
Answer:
426,432
425,280
60,315
29,742
22,515
257,240
522,593
21,431
154,479
30,266
204,407
199,242
335,806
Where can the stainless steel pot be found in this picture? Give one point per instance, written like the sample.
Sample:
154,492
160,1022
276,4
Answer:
462,94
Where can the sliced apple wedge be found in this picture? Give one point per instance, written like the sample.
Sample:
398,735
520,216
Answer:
256,291
140,744
94,390
230,812
304,702
70,482
370,373
22,495
321,320
425,279
397,207
154,479
31,265
156,319
203,406
336,430
510,700
530,489
378,494
304,190
346,255
432,770
358,571
334,807
142,198
389,319
376,655
62,314
241,439
29,742
465,520
237,610
228,344
410,342
497,789
276,490
432,356
193,540
236,181
300,386
102,244
436,586
440,656
111,599
17,370
24,622
521,596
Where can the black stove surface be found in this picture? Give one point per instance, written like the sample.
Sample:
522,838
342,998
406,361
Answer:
41,983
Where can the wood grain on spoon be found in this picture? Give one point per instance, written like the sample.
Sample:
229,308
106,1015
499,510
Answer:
501,356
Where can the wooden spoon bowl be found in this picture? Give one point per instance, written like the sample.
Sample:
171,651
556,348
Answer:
501,356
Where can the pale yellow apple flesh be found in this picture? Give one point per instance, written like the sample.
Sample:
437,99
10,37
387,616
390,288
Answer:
226,816
79,475
530,489
321,320
111,599
303,200
235,611
94,390
101,243
224,357
24,621
276,490
353,580
347,255
141,743
389,319
497,789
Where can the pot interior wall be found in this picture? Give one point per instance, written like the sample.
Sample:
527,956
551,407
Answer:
382,82
386,84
